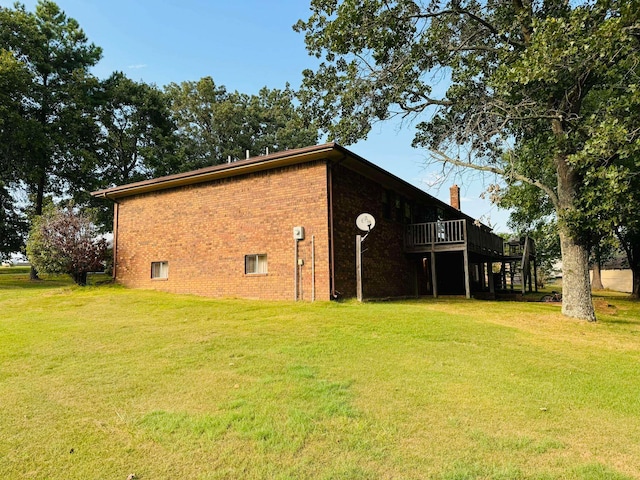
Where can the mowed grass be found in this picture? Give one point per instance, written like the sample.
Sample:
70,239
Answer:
101,382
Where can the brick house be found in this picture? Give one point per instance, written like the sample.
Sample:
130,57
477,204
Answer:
231,231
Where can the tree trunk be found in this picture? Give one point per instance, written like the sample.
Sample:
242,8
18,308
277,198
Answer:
80,278
576,288
33,273
596,279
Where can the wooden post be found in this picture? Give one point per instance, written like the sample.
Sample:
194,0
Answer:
512,268
434,275
467,283
526,272
492,287
359,267
465,256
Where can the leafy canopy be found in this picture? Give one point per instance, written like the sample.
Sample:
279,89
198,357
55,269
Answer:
215,124
533,91
51,89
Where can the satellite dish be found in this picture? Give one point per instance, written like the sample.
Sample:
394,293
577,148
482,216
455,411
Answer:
365,222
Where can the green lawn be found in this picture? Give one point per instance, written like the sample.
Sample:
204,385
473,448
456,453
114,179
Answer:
101,382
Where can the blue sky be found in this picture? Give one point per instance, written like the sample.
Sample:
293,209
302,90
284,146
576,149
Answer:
244,45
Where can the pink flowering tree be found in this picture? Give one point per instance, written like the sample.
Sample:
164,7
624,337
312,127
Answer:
66,241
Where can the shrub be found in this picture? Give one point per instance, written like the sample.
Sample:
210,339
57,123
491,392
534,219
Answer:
66,241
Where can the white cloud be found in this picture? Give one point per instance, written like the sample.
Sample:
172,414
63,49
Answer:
432,179
138,66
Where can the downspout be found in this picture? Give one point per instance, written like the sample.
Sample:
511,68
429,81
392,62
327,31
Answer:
313,268
295,273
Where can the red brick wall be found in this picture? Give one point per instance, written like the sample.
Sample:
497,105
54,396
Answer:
204,231
386,270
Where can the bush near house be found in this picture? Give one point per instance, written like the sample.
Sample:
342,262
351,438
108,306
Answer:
66,241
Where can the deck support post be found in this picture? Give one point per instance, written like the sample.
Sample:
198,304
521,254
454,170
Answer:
465,255
492,287
512,267
467,283
434,275
359,267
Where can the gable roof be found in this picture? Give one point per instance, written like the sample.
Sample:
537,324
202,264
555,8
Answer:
331,152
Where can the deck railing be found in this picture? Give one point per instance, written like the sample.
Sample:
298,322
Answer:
421,235
517,249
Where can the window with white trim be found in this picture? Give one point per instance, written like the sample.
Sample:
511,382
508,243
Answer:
255,264
160,270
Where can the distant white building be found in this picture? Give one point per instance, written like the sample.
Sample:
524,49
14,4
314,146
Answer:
616,275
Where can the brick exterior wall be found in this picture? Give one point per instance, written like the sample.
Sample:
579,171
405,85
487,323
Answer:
386,270
205,230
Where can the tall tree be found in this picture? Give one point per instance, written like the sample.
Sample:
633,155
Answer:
54,51
136,139
524,79
215,124
136,131
14,127
278,124
13,136
56,104
612,185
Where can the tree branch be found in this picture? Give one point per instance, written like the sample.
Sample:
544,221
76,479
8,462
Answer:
472,16
428,102
477,48
525,29
444,158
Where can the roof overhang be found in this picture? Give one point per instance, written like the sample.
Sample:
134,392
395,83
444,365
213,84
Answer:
331,152
327,151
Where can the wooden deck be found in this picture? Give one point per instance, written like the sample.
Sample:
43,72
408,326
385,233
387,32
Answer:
452,235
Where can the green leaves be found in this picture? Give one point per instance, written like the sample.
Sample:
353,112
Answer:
215,124
137,134
52,113
544,93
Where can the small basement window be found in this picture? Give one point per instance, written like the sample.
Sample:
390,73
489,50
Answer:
159,270
255,264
